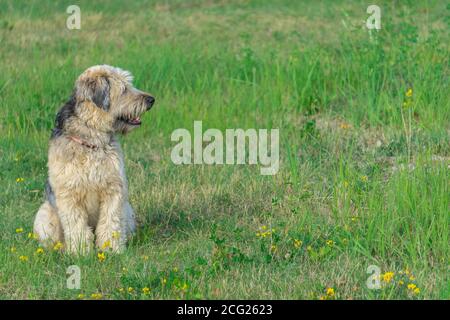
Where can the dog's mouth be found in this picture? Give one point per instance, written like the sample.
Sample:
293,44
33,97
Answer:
131,121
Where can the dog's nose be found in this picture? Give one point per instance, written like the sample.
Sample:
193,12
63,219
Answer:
149,100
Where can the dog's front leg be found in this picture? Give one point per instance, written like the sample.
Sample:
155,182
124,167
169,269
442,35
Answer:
110,232
74,222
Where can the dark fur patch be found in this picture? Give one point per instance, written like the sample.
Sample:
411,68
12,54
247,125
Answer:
100,93
67,111
49,194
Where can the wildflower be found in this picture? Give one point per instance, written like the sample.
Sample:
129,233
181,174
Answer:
330,292
58,246
416,291
345,126
364,178
322,298
330,243
145,290
412,286
121,290
185,286
130,289
32,235
401,282
19,180
116,234
19,230
23,258
297,243
164,281
409,93
106,244
412,278
388,276
101,256
13,249
96,296
81,296
39,250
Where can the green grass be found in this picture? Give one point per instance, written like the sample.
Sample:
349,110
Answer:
350,173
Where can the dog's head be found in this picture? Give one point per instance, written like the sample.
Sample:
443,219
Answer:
110,102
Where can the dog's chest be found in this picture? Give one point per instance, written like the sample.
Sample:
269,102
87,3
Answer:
90,169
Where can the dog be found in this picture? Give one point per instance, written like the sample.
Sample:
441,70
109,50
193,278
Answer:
86,191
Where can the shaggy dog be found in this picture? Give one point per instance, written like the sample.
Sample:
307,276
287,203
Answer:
86,191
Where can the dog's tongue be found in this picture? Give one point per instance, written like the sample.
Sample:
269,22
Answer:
136,120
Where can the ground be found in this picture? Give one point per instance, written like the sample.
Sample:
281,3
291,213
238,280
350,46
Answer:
364,120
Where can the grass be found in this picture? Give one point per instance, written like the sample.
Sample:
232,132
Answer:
363,180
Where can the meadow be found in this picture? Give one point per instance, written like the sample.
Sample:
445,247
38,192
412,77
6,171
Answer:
364,120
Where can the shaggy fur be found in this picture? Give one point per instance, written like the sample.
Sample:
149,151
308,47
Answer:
86,191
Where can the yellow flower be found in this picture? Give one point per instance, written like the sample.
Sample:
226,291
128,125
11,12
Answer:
416,291
412,278
101,256
409,93
19,230
364,178
81,296
32,235
39,250
19,180
309,248
401,282
96,296
106,244
344,126
145,290
23,258
13,249
164,281
297,243
412,286
58,246
330,243
322,298
121,290
388,276
264,227
185,286
130,289
330,292
116,234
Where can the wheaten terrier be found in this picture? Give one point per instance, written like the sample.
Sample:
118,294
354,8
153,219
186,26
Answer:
86,191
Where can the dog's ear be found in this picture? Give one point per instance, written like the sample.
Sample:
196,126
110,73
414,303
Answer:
96,90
